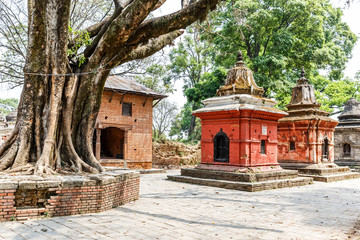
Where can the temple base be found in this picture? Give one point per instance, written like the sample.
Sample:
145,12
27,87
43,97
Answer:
349,163
329,172
250,182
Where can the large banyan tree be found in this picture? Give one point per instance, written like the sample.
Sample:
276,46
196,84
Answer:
61,97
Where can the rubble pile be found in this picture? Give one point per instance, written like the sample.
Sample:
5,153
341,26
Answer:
171,154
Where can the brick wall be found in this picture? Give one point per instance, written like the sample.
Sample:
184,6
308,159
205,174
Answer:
46,198
140,134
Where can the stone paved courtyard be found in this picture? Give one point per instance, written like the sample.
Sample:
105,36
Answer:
172,210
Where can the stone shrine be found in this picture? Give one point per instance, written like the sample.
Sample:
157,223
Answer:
239,138
347,135
306,137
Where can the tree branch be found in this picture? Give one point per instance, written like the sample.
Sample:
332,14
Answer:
152,46
178,20
117,30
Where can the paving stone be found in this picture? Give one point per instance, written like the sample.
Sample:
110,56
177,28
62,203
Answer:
172,210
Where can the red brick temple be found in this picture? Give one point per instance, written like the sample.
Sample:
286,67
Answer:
306,137
123,130
239,138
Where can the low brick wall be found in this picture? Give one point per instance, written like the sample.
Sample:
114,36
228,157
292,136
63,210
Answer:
23,197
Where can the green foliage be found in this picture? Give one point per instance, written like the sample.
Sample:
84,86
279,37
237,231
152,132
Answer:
180,126
158,78
8,105
81,40
333,94
278,38
207,87
190,59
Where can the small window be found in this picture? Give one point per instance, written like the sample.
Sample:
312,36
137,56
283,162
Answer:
292,146
126,109
263,147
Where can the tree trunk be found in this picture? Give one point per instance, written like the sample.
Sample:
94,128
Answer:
46,136
60,102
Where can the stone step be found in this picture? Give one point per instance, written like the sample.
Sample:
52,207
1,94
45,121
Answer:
151,171
324,171
333,177
348,163
239,177
244,186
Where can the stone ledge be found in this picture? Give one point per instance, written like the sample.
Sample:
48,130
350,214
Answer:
244,186
334,177
239,177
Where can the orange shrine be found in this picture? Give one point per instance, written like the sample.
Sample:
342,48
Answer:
239,138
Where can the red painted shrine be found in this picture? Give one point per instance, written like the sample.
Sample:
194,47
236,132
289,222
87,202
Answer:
239,128
306,137
239,138
306,134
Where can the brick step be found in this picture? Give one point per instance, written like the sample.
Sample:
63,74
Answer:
334,177
244,186
239,177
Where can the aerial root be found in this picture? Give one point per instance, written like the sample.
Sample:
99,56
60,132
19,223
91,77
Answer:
8,158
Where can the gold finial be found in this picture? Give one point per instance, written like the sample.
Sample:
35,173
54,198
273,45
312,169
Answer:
240,56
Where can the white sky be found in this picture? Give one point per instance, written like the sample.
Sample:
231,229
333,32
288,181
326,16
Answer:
351,16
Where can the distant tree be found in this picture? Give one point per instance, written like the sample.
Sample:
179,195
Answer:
333,94
8,105
163,115
181,123
157,77
189,61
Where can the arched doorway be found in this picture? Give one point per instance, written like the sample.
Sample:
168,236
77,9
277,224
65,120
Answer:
221,147
347,150
325,149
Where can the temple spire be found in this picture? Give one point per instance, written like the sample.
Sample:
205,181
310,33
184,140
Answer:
302,72
240,56
240,80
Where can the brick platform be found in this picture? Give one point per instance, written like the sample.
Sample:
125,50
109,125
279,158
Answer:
24,197
250,182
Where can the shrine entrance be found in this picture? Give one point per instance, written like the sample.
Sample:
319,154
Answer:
347,150
221,147
325,150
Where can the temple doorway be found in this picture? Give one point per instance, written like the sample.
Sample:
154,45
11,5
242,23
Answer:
326,150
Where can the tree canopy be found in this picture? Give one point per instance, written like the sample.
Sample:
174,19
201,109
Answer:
278,38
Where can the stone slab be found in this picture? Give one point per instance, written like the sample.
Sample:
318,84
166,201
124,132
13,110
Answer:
244,186
333,177
348,163
151,171
239,177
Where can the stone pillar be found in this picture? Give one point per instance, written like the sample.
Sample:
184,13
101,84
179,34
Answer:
98,143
